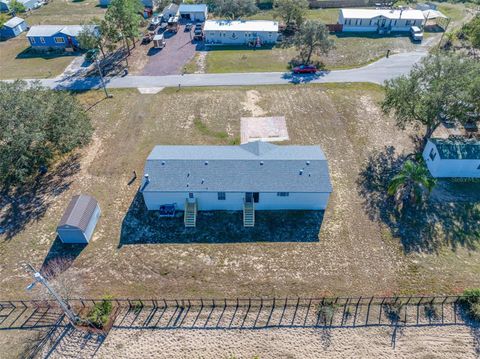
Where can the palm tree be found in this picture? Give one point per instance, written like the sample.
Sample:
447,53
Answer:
412,182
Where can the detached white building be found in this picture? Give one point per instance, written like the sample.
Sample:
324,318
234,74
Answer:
232,32
193,12
253,176
380,20
453,158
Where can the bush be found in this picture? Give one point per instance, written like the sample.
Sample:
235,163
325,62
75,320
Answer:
100,313
325,311
471,303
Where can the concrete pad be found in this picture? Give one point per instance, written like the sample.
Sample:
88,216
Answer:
149,90
269,129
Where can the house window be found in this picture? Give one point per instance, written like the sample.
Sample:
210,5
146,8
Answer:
408,22
59,40
32,40
433,154
42,40
478,168
221,196
395,23
283,194
190,195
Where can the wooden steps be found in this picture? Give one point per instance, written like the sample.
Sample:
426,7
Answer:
190,214
248,214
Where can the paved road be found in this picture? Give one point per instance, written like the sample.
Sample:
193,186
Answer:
376,72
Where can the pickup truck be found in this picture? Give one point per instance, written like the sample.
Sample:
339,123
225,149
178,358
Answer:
416,33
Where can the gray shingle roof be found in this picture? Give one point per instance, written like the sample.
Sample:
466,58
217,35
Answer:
13,22
252,167
192,8
79,212
49,30
461,149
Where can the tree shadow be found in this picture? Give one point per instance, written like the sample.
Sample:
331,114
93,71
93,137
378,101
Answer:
451,215
141,226
27,203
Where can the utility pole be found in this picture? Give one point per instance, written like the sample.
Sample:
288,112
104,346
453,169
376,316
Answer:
101,77
74,319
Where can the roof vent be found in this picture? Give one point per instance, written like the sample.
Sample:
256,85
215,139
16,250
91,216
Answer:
206,163
203,181
188,185
146,177
308,163
261,163
188,174
301,172
163,163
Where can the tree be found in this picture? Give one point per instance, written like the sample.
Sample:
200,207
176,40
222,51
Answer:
442,87
3,19
36,126
233,9
472,31
292,12
89,38
312,38
413,183
124,15
16,7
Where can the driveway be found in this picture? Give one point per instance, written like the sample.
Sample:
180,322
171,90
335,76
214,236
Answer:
171,60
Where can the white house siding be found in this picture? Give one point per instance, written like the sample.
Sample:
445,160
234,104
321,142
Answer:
215,37
208,201
372,25
450,168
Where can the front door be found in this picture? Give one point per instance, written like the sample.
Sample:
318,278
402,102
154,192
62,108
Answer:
252,197
256,197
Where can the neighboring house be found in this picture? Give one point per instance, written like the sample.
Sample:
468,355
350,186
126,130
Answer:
79,220
146,3
453,157
169,11
29,4
193,12
44,37
379,20
13,27
231,32
253,176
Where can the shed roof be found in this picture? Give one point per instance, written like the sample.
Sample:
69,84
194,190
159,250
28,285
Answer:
79,212
13,22
241,25
453,149
192,8
394,14
171,7
251,167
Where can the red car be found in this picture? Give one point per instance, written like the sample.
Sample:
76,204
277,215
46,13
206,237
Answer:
305,69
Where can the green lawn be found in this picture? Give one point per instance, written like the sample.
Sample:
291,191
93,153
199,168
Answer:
328,16
350,51
15,63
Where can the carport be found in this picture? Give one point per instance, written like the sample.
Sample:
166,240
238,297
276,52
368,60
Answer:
193,12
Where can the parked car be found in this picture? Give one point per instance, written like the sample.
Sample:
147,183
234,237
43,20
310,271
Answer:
188,27
198,34
416,33
198,26
154,23
305,69
147,38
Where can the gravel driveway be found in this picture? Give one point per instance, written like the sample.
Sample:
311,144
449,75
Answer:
170,60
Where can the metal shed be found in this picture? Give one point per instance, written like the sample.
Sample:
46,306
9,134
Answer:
79,220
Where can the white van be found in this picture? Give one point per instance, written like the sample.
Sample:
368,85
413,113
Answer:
416,33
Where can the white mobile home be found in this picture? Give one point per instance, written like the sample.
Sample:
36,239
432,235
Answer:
253,176
229,32
379,20
454,158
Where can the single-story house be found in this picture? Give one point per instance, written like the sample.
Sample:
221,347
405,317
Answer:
193,12
13,27
233,32
169,11
453,157
55,36
146,3
29,4
79,220
253,176
379,20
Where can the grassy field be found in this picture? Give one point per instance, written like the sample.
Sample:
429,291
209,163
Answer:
350,51
327,16
361,248
15,62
